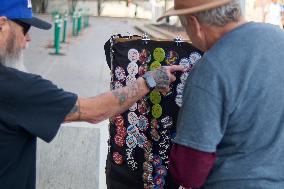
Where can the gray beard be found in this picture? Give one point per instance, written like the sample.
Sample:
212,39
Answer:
16,62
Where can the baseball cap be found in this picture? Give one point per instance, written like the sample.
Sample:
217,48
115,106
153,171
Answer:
22,10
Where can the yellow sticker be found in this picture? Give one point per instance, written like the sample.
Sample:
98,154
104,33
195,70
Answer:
157,111
155,97
155,65
159,54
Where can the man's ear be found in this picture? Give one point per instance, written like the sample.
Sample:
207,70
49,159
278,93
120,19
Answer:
3,21
196,26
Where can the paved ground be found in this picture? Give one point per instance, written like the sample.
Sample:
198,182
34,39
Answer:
83,70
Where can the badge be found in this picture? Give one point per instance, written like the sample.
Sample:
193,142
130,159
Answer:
141,140
155,65
180,88
143,107
143,123
148,167
130,80
121,131
159,54
155,97
142,69
161,170
132,118
133,108
157,111
171,58
194,57
119,140
119,121
117,158
119,73
157,161
132,68
167,122
145,56
184,77
148,146
117,85
159,181
131,141
179,100
185,63
154,124
155,135
133,55
132,130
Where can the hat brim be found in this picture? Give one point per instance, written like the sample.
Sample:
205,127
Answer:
36,22
173,12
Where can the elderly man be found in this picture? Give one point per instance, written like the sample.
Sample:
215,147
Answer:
230,130
33,107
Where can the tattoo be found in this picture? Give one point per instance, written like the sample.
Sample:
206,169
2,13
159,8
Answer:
161,78
125,93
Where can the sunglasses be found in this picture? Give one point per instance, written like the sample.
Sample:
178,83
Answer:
26,27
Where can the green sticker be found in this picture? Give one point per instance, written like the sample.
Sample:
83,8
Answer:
157,111
159,54
155,97
155,65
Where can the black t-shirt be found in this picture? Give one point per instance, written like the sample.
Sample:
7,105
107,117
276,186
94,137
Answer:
30,107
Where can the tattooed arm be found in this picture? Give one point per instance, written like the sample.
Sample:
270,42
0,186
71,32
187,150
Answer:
111,103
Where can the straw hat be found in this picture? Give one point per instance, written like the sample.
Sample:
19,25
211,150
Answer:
183,7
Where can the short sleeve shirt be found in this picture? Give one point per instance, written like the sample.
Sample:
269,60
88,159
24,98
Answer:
30,107
234,106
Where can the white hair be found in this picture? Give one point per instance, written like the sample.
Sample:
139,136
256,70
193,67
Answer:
221,16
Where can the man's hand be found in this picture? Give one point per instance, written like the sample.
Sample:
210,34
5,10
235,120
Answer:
164,76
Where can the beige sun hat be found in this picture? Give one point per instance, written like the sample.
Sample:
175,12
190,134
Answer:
182,7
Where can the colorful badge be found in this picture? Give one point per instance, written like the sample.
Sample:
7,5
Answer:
180,88
194,57
148,146
145,56
159,181
161,170
131,141
119,73
171,58
133,55
155,135
159,54
154,124
155,65
117,158
155,97
132,118
157,161
130,80
141,140
133,108
132,68
117,85
143,69
185,63
143,123
119,140
179,100
143,107
157,111
167,122
121,131
132,130
119,121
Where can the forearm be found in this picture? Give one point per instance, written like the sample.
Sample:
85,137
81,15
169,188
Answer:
99,108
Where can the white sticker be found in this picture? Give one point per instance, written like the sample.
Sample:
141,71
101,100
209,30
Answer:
29,4
133,108
133,55
132,68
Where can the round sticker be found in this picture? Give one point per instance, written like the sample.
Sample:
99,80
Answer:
184,77
148,146
155,65
133,55
161,170
159,181
119,140
141,140
119,121
157,161
130,80
185,63
117,85
157,111
171,58
133,108
132,68
132,118
155,135
194,57
155,97
132,130
119,73
143,123
154,124
131,141
121,131
145,56
143,107
117,158
180,88
179,100
142,69
159,54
